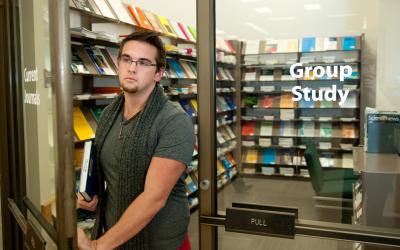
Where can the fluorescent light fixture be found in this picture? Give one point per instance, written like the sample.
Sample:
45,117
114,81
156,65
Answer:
342,15
281,18
219,32
262,10
312,6
255,27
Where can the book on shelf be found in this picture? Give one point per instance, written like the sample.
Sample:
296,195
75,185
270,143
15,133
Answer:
95,61
269,156
105,8
287,114
319,43
330,43
325,129
286,171
285,142
230,132
351,101
193,102
109,60
307,129
220,138
83,5
251,47
178,31
348,130
187,107
186,32
88,182
264,142
347,160
79,51
177,68
139,17
121,11
220,168
246,143
231,159
267,88
190,184
307,44
193,31
266,75
248,128
77,64
306,104
349,43
250,75
269,46
268,170
96,112
166,26
286,101
187,69
266,128
287,128
251,156
266,101
286,156
226,163
102,61
380,134
326,104
325,145
153,20
82,129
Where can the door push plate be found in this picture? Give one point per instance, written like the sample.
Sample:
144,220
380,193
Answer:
34,239
261,222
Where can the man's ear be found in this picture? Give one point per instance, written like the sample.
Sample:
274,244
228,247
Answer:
159,74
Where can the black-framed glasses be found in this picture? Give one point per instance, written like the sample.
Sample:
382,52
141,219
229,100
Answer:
142,62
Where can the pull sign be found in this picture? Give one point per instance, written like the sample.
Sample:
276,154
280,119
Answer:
262,222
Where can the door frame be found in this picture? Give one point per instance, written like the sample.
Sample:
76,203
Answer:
14,203
209,219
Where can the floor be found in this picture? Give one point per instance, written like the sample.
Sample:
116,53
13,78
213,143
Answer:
294,193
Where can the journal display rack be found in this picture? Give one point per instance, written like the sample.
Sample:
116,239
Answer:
275,128
95,83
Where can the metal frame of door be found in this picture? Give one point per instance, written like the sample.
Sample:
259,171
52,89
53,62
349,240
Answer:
209,219
13,177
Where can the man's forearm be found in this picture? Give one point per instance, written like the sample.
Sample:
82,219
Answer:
139,213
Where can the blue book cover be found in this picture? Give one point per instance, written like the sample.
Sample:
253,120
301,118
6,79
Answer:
227,164
349,43
308,44
186,106
269,156
306,104
88,181
96,63
381,129
177,68
230,103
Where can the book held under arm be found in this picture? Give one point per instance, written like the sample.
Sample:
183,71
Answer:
87,183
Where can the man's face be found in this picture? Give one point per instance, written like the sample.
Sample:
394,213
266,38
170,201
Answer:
140,76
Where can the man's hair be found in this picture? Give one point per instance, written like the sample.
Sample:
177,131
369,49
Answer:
148,37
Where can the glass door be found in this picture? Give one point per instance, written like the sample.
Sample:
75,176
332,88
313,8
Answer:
280,172
41,109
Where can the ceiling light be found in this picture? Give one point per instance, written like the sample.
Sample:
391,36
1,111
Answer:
262,10
342,15
281,18
312,6
252,25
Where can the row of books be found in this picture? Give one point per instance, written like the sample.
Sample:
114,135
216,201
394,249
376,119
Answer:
303,129
225,134
181,69
282,74
291,143
268,87
306,44
288,114
293,157
284,100
321,58
188,49
281,170
134,15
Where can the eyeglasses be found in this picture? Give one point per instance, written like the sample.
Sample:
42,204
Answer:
127,61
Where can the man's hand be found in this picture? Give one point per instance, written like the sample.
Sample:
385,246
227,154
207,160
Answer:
84,243
90,206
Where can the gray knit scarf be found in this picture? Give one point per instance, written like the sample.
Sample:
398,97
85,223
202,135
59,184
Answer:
135,161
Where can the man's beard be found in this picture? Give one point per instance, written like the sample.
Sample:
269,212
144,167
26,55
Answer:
131,90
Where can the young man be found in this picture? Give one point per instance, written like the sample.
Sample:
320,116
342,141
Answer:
143,144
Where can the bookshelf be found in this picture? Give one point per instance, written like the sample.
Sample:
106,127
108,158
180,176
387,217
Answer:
275,128
93,89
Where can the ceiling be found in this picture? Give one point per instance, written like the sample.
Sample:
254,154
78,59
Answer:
272,19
